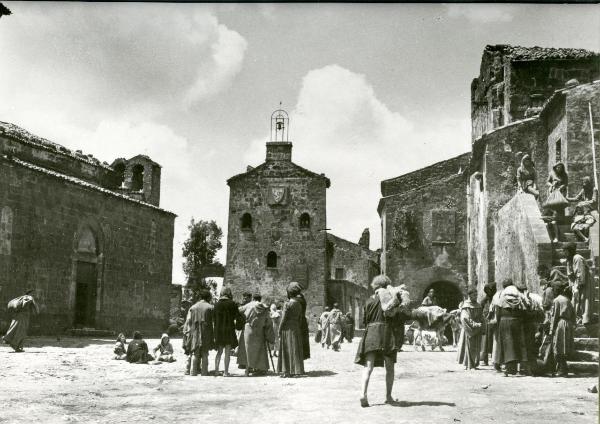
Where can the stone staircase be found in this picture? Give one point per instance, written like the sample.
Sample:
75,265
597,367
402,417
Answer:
585,359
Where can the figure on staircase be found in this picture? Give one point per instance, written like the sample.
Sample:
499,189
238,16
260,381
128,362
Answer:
579,282
587,201
526,177
556,202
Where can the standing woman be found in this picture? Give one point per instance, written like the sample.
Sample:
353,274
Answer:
512,344
561,327
487,333
21,307
378,345
291,349
558,180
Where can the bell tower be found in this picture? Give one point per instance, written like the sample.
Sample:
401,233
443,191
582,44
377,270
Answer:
279,148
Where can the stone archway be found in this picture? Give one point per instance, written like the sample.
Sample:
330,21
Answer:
448,296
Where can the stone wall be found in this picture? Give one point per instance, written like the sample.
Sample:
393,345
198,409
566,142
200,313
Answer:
276,228
359,265
58,221
521,242
425,227
496,157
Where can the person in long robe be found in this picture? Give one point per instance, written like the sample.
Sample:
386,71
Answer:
324,327
164,349
226,313
258,332
349,327
378,346
334,322
304,333
471,319
557,180
562,329
512,344
21,307
198,332
137,351
275,319
533,316
241,350
487,330
579,280
290,361
493,325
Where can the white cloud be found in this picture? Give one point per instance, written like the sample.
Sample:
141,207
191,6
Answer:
127,58
482,13
340,127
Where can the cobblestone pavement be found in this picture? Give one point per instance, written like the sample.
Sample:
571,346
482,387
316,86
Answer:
75,380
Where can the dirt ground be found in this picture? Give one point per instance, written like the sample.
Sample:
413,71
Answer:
75,380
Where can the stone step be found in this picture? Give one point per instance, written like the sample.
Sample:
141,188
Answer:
579,244
586,343
90,332
568,237
589,331
587,368
585,356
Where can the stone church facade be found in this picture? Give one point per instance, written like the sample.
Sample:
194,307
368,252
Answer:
90,238
525,100
277,233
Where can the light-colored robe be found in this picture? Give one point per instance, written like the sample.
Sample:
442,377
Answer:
334,322
323,324
471,318
258,330
580,283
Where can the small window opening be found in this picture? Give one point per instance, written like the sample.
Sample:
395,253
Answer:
271,260
558,155
304,221
137,177
119,174
246,222
339,274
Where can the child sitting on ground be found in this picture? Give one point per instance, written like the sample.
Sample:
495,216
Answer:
165,348
120,351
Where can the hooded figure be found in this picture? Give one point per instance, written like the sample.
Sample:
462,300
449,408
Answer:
21,309
526,176
165,348
258,332
291,346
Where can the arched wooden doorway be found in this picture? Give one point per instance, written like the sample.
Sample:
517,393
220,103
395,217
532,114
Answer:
86,279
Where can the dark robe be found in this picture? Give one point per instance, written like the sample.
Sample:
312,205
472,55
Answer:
225,314
304,328
198,328
23,307
137,352
469,344
379,335
291,346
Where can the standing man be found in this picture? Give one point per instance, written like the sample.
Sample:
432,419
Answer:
324,325
578,273
198,334
349,331
226,314
241,352
258,332
335,327
21,309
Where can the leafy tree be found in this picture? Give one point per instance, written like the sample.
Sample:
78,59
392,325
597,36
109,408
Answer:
199,250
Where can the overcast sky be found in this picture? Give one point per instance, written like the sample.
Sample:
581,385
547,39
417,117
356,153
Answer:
373,91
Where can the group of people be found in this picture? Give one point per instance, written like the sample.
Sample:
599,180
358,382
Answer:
334,327
586,200
259,328
137,350
523,331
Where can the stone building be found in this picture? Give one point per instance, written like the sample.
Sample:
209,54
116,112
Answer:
424,239
525,100
88,237
278,233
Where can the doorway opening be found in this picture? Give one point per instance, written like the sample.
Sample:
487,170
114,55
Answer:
447,296
85,295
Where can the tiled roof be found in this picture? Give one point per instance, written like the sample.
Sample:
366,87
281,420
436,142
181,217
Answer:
18,133
80,182
517,53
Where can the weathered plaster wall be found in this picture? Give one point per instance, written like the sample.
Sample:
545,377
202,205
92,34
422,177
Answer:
521,242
